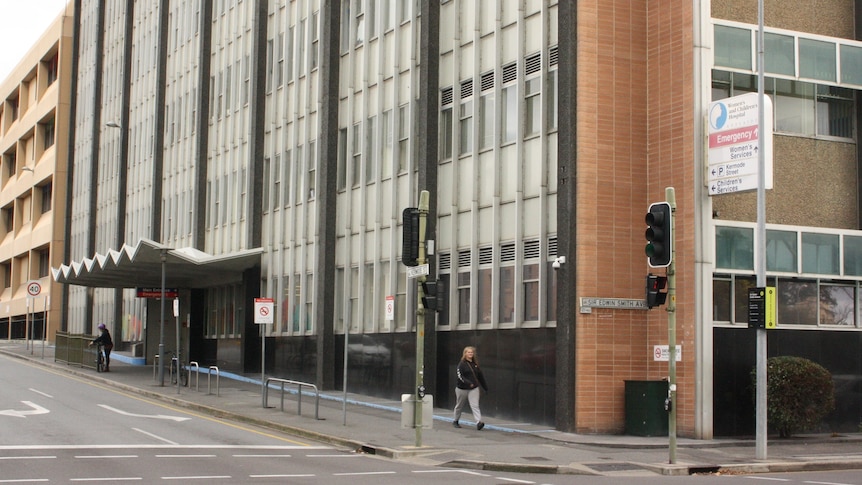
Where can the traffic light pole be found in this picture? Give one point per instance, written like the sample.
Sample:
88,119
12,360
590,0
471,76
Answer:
419,397
670,195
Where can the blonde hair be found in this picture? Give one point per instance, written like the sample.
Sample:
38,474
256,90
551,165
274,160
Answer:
464,354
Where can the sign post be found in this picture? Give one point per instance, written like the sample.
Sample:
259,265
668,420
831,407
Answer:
33,290
263,309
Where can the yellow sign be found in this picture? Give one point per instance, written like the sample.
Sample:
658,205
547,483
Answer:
770,307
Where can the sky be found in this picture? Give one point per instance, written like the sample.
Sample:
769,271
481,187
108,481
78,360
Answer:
22,22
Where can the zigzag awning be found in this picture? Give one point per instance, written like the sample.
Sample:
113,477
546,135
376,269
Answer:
140,266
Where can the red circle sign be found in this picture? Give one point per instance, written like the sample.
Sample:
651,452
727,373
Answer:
34,288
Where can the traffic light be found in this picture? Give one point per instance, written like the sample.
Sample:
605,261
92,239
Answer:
410,237
659,248
434,295
654,294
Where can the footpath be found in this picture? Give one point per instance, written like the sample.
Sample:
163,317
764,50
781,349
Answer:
373,425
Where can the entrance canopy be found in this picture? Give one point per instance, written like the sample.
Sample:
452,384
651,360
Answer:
140,266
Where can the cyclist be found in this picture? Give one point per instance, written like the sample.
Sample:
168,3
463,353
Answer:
105,340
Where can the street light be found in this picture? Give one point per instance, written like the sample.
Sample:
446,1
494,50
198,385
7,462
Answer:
112,124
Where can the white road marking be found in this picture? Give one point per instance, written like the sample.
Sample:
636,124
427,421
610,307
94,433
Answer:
333,456
513,480
186,456
467,472
26,457
25,480
305,475
37,409
106,479
152,416
42,393
151,435
201,477
352,474
164,447
87,457
261,456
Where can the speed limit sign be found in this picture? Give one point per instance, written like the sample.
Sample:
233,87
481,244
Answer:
34,288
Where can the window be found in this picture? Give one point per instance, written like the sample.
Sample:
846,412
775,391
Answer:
279,72
820,253
733,47
289,49
781,251
51,69
465,118
779,53
734,247
446,124
44,263
853,255
276,182
358,6
506,300
532,96
342,159
837,304
269,69
531,280
486,112
48,128
267,167
509,104
851,64
387,127
46,192
312,169
285,177
356,165
464,285
835,111
315,40
403,137
484,287
799,302
370,152
817,60
299,180
7,275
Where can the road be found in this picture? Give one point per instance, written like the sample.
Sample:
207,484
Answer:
61,428
57,427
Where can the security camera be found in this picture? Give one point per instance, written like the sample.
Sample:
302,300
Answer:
558,261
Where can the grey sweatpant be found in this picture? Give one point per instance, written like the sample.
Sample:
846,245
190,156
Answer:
462,396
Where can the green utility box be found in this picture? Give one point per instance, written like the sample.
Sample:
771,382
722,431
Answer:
645,413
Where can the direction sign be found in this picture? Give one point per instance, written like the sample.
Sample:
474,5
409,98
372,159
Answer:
34,288
734,141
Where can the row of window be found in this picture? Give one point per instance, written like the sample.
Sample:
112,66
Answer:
820,302
29,92
798,107
817,274
43,267
498,125
789,54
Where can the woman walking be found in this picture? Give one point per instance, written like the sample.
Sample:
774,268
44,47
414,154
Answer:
470,378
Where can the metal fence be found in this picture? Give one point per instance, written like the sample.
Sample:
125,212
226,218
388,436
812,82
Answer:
74,349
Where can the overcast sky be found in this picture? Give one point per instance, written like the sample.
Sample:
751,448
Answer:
22,22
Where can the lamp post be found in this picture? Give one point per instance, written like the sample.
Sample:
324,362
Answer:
163,258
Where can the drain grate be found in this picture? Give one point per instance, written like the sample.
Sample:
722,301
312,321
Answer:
535,458
613,467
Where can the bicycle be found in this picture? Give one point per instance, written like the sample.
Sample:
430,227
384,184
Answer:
101,362
178,371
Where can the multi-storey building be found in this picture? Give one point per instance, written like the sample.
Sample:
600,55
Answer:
266,148
34,116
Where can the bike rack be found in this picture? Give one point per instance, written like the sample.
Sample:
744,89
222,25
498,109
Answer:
298,397
155,365
197,369
213,368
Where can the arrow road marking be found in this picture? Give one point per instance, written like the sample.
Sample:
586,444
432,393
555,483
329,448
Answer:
37,409
153,416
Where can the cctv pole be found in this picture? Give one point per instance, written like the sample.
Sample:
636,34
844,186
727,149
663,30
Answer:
424,196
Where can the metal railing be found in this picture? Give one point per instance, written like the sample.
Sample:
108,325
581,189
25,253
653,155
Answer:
211,369
299,385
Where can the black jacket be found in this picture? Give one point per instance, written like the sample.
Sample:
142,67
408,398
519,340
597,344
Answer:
470,376
104,339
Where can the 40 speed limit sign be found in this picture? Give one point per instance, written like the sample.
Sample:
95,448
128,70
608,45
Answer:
34,288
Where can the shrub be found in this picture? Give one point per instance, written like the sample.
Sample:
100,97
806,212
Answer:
799,394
